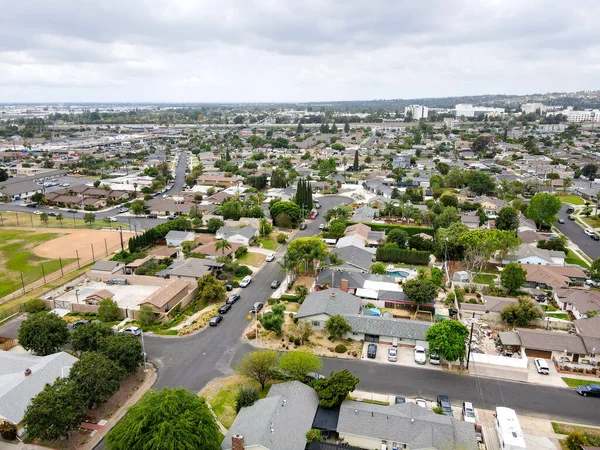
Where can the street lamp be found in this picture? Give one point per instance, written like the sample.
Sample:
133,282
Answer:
473,320
77,294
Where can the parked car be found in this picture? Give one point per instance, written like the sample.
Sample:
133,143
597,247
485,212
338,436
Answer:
80,323
229,287
171,217
468,412
421,402
589,232
321,226
246,281
38,212
392,354
372,351
113,219
317,205
561,220
52,214
134,331
571,217
593,390
233,298
152,216
256,308
215,320
592,283
541,366
399,400
315,376
420,355
595,237
270,257
223,309
434,358
444,402
303,226
570,209
72,211
123,210
275,284
31,205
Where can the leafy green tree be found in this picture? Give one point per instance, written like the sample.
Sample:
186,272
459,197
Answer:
265,228
420,290
210,290
108,310
448,337
576,440
214,224
279,178
90,337
3,175
304,253
437,276
481,244
333,390
54,412
273,320
543,208
258,365
167,419
589,171
38,198
125,350
246,396
297,364
89,218
449,200
291,209
313,435
137,207
513,276
44,333
521,314
378,268
595,270
448,216
397,236
480,183
97,378
146,316
44,218
35,305
508,219
337,326
443,168
222,245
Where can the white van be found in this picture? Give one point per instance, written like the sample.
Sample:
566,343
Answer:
541,366
246,281
509,430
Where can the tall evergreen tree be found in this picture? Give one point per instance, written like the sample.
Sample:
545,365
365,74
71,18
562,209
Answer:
355,165
334,128
227,156
347,127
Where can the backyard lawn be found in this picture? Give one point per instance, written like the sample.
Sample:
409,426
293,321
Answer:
484,278
572,258
16,257
574,382
572,199
561,316
252,259
268,243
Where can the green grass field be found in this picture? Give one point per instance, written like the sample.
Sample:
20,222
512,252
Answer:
561,316
574,382
252,259
268,243
223,401
572,199
484,278
16,257
572,258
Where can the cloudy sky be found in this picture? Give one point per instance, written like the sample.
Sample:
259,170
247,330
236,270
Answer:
293,50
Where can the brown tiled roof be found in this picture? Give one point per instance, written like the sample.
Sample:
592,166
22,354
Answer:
551,341
589,327
555,276
358,229
210,249
101,294
161,296
165,251
584,300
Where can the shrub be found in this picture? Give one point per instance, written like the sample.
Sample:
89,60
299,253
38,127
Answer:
289,298
35,305
241,251
246,396
391,254
313,435
8,431
273,301
297,341
282,238
242,271
340,348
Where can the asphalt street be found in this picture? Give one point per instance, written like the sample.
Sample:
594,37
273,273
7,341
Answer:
575,233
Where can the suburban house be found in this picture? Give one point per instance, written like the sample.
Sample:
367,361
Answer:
530,254
18,189
210,251
176,238
579,301
237,235
191,269
212,180
407,425
278,422
471,221
353,239
552,345
490,205
401,161
319,306
96,297
355,258
589,330
365,233
553,277
25,376
387,330
492,307
365,214
107,267
167,206
166,297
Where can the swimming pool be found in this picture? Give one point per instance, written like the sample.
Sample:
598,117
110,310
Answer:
398,274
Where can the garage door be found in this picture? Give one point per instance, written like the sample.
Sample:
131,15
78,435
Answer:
538,353
372,338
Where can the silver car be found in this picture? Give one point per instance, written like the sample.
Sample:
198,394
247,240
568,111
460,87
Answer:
392,354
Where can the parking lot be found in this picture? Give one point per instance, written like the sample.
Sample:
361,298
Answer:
405,356
126,296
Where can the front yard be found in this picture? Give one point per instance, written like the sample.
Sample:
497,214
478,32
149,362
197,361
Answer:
268,243
574,382
572,258
251,259
572,199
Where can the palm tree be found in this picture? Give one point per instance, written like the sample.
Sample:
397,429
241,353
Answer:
334,260
222,245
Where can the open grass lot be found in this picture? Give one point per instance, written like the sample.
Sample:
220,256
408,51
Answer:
572,258
24,220
252,259
574,382
268,243
572,199
591,221
221,397
16,257
484,278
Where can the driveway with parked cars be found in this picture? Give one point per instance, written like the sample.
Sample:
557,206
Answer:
405,356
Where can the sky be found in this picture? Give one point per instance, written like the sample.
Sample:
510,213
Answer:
293,50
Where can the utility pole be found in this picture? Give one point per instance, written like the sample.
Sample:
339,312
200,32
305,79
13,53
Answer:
121,234
470,339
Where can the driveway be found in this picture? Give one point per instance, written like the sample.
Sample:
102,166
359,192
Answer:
405,357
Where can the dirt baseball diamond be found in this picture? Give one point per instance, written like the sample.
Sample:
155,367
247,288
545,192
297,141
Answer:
78,240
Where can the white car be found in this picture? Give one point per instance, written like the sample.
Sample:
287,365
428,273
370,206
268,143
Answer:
420,355
392,354
322,226
592,283
468,412
589,232
113,219
38,213
134,331
421,402
541,366
271,257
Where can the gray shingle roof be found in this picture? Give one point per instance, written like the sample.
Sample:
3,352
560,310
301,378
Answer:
551,341
17,390
247,232
407,424
278,422
105,266
356,256
174,234
383,326
330,301
191,267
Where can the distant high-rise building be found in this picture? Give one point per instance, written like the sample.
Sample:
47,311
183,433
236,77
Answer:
467,110
418,112
528,108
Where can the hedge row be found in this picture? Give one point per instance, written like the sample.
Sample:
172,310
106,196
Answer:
416,257
410,230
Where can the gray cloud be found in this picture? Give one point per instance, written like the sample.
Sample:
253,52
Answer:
240,50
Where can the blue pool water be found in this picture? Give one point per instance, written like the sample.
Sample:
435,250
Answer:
399,274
